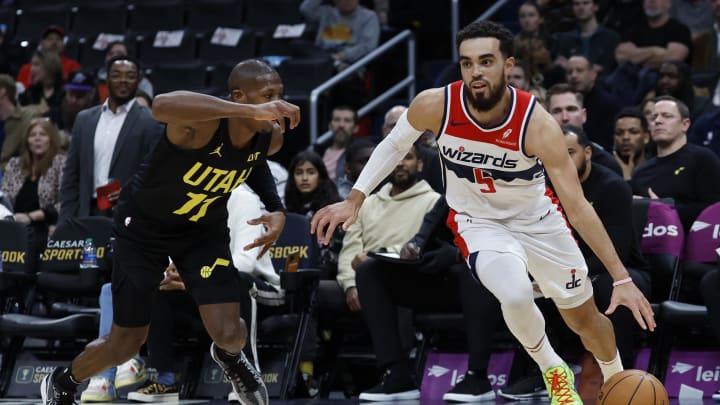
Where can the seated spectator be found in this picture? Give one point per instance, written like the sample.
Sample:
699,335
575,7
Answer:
347,31
656,39
342,125
531,22
309,187
566,106
79,95
391,117
53,41
631,140
114,50
706,131
518,77
706,54
357,156
681,171
538,62
441,282
32,180
591,39
46,83
674,80
601,105
648,108
14,119
695,14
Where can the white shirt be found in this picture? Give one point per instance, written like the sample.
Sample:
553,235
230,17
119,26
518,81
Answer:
106,135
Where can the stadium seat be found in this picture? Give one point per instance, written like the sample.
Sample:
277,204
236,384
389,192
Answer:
213,53
301,76
153,16
206,15
152,55
32,21
185,76
265,15
103,17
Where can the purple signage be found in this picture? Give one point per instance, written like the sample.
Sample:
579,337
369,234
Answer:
443,370
704,236
663,231
693,372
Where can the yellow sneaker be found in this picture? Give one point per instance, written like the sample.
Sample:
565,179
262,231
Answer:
560,383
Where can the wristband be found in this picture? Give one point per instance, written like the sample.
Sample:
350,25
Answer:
623,281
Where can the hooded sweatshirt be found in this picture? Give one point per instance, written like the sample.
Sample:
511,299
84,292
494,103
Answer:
384,221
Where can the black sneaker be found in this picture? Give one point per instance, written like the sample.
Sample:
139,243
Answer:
53,395
246,381
472,388
394,387
153,391
525,389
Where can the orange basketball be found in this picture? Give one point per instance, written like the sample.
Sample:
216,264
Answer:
633,387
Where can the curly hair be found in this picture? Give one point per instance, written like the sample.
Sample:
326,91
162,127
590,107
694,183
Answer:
485,29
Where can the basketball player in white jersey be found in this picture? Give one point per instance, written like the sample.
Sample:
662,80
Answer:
492,139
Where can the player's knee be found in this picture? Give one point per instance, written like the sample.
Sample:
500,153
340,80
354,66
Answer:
229,334
518,298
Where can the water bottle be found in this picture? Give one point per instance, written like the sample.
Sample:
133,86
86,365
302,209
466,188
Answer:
89,255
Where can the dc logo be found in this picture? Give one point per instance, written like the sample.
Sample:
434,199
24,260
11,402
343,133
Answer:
574,281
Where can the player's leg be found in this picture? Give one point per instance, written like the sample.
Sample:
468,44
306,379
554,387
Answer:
134,278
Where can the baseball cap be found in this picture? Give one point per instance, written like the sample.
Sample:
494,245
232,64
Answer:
54,28
79,80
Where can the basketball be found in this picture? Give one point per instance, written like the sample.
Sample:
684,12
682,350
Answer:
633,387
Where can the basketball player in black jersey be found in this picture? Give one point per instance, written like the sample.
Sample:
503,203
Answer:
175,205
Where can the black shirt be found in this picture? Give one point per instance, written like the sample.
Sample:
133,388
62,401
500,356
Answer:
673,31
689,176
176,188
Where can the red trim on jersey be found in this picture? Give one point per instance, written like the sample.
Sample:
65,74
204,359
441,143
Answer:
460,124
458,240
551,195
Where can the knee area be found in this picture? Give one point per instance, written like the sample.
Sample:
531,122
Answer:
229,334
505,275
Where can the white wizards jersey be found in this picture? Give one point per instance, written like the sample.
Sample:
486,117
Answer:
486,171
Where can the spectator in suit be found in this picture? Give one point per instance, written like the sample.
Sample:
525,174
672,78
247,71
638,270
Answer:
591,39
114,50
631,140
32,180
109,141
566,106
53,41
14,118
46,83
681,171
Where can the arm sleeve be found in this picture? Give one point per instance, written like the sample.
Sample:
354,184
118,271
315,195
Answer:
387,155
262,183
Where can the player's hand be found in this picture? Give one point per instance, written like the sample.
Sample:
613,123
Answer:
172,280
278,111
410,251
652,194
358,260
630,296
329,217
274,223
352,299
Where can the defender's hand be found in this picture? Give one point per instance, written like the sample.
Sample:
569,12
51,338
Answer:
278,111
274,223
329,217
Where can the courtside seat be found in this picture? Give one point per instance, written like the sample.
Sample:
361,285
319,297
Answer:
70,326
682,314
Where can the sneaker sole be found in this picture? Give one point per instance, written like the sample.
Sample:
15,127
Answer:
96,398
525,397
43,389
398,396
450,397
126,382
137,396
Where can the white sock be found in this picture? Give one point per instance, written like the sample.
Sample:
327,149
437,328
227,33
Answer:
610,368
544,355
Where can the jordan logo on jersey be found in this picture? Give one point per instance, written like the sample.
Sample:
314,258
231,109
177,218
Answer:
216,151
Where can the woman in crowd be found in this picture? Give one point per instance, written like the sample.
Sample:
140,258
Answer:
46,83
32,180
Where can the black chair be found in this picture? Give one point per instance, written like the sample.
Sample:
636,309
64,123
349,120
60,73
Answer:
109,17
153,16
301,76
7,17
32,21
206,15
265,15
187,76
213,53
152,55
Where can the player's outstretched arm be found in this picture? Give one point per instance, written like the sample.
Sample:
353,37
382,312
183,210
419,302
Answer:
425,113
545,140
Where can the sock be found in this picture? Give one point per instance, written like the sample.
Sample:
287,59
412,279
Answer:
544,355
166,378
610,368
226,357
66,382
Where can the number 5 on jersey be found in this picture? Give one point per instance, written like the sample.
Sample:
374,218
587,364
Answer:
486,183
196,199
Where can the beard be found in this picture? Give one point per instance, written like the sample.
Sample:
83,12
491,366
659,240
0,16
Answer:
481,103
581,169
405,183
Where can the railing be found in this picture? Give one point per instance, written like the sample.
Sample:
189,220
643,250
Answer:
408,82
455,21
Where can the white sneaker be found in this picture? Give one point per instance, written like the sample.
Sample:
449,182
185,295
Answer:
129,373
233,397
100,389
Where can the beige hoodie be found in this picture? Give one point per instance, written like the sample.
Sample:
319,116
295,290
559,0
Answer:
384,221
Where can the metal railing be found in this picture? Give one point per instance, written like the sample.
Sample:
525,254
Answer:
408,82
455,21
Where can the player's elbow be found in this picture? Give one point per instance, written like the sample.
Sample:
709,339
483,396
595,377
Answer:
162,104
